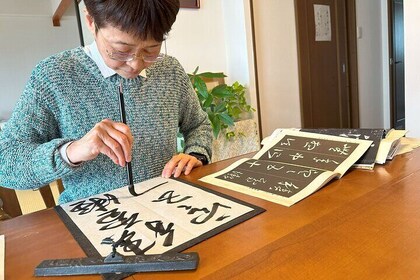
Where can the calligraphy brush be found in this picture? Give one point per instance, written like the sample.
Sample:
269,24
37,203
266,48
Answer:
124,121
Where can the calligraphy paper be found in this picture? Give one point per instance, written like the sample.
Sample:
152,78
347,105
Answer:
367,160
322,22
291,166
168,215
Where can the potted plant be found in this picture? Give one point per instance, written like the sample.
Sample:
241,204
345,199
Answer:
234,130
223,104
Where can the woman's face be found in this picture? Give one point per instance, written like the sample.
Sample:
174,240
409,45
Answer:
116,45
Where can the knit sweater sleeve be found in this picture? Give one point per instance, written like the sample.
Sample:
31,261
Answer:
194,122
29,143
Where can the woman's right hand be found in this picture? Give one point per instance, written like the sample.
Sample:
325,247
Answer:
113,139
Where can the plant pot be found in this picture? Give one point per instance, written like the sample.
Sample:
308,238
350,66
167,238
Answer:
246,140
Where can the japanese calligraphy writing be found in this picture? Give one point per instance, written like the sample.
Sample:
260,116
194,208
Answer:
291,166
166,215
342,151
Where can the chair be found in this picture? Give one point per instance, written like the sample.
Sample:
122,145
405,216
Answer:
18,202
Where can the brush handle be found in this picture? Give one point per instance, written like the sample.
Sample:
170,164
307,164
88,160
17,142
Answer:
124,120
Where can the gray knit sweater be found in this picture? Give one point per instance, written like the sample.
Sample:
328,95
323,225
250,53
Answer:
67,95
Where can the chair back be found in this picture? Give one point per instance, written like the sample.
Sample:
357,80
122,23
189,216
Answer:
18,202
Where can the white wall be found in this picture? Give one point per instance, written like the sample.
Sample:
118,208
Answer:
386,91
412,70
23,7
370,62
197,38
218,38
28,36
277,61
87,35
235,41
239,49
237,67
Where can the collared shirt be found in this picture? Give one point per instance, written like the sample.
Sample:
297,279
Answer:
93,52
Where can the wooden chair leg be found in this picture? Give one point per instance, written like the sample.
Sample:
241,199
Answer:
11,206
10,201
47,196
3,214
60,185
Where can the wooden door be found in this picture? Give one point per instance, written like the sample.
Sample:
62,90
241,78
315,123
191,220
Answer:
326,63
397,84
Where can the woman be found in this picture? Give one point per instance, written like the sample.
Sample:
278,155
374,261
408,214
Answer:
67,122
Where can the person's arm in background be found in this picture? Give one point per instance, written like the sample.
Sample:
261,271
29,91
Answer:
30,140
31,145
195,125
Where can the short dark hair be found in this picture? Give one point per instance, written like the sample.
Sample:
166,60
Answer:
145,19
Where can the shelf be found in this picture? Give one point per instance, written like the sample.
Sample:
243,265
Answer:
61,9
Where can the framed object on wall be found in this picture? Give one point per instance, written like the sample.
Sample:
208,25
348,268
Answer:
195,4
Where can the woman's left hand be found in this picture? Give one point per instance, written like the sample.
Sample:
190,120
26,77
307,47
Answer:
178,163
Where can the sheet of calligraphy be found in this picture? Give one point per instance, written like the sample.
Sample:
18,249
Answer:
168,215
291,167
375,135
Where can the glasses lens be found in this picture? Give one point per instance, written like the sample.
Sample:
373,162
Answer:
153,58
121,56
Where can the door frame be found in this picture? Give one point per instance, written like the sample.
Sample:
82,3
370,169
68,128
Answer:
391,64
352,63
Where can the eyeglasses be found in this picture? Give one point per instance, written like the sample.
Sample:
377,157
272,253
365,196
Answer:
127,57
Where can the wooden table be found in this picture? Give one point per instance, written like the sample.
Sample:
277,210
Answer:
363,226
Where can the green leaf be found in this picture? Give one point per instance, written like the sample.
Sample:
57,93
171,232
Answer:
238,87
235,112
229,135
221,107
221,91
216,127
208,101
226,119
212,75
201,88
211,117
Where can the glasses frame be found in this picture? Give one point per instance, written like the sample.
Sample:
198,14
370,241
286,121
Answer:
130,57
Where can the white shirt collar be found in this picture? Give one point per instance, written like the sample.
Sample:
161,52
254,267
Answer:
93,52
